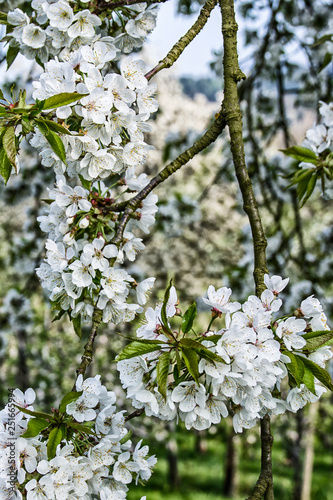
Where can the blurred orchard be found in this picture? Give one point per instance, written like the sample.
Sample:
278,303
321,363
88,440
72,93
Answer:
263,364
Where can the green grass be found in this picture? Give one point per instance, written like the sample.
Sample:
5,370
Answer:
201,475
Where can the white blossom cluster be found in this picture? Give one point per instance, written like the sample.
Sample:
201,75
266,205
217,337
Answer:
320,136
80,273
102,465
251,367
58,28
82,56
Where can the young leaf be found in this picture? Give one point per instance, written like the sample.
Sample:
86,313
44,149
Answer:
136,349
295,368
35,426
301,154
164,306
55,438
190,344
314,340
5,166
86,184
77,325
61,100
81,427
38,414
303,184
308,380
126,438
68,398
191,361
12,52
162,369
56,127
311,185
9,145
319,373
3,18
22,98
188,318
27,125
327,60
53,139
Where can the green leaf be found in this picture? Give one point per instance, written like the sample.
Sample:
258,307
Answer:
77,325
302,186
9,145
323,39
22,98
59,315
191,361
53,139
327,60
188,318
82,428
56,127
164,306
136,349
3,18
38,414
314,340
27,125
308,380
210,356
126,438
86,184
62,100
319,373
1,93
162,369
12,52
55,438
68,398
5,166
35,426
311,185
295,368
301,154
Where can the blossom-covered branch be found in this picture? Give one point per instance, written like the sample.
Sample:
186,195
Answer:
208,138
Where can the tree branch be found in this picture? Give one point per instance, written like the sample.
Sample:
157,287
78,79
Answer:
185,40
87,355
114,5
233,116
208,138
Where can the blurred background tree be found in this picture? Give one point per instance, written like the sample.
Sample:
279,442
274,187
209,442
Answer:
201,237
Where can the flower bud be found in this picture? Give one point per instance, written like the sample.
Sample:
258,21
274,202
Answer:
69,238
84,223
70,220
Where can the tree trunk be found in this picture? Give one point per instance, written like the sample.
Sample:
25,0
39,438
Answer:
172,456
230,485
309,452
297,456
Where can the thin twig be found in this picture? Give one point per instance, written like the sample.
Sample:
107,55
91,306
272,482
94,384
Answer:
185,40
208,138
87,355
114,5
135,413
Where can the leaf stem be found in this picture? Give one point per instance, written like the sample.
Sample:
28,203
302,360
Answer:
87,355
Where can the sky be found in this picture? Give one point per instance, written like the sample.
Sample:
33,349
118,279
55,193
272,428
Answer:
170,27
